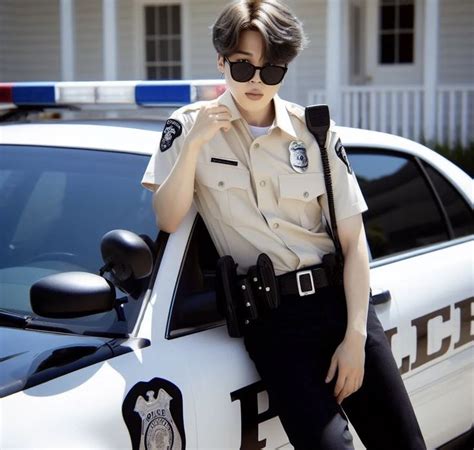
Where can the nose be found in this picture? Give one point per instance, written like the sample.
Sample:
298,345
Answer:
256,77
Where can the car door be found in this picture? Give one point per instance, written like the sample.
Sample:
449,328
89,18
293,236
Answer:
106,380
231,405
419,230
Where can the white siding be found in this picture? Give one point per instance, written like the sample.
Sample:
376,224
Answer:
308,70
29,43
6,29
126,37
89,40
456,41
203,56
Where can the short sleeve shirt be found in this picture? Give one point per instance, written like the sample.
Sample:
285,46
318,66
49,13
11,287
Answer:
251,197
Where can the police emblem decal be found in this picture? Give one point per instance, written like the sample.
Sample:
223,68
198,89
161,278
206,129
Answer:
172,130
153,413
341,153
298,156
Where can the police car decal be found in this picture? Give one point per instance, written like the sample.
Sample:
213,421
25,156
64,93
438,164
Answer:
172,130
153,412
341,153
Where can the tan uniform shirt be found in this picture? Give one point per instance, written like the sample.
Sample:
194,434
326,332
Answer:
251,198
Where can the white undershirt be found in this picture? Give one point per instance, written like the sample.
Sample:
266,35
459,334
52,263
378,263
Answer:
258,131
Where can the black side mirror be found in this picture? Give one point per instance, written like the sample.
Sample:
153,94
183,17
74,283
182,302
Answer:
72,294
128,260
128,263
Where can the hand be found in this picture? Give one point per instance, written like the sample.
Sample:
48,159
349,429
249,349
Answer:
348,359
210,119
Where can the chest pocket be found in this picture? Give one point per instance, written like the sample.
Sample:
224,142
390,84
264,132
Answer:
298,198
225,191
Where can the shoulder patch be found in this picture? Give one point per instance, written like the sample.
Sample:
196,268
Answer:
341,153
172,130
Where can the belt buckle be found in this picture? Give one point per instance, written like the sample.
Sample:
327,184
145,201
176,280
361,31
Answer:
298,282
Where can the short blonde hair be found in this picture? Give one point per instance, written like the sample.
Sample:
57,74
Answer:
281,30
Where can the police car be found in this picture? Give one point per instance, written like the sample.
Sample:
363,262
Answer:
109,333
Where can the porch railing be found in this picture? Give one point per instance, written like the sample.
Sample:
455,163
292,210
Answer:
399,110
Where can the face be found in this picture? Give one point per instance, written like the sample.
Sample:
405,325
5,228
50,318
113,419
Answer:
253,97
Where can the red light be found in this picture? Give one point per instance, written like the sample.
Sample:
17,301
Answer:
6,93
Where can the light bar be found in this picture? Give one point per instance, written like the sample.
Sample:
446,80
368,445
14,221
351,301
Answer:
141,93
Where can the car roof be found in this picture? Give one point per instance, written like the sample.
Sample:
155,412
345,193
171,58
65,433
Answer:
143,138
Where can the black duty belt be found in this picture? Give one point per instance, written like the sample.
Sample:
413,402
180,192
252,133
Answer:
303,282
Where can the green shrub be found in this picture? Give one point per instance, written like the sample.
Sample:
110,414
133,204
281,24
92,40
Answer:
462,157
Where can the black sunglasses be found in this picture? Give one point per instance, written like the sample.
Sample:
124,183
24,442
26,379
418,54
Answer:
243,71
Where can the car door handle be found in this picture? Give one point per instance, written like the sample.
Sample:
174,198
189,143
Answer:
381,297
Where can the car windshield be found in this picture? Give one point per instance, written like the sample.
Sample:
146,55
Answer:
55,206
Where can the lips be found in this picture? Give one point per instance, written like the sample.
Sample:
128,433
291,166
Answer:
254,95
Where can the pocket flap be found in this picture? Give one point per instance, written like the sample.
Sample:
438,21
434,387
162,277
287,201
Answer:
304,187
222,177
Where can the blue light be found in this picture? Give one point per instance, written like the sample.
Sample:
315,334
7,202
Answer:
163,94
34,94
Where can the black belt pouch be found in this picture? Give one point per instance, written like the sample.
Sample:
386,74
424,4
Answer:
270,292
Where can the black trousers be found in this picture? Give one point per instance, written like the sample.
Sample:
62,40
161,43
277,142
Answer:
292,349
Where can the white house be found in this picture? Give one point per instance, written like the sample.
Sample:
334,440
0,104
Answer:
403,66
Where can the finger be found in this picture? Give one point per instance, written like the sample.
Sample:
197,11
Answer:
344,394
223,116
223,125
340,384
218,109
349,388
226,127
220,116
332,370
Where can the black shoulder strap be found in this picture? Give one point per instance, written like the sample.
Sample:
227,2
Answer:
317,121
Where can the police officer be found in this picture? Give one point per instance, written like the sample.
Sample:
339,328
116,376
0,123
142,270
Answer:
254,173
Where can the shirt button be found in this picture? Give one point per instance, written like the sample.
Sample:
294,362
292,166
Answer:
276,225
257,145
220,184
306,195
262,183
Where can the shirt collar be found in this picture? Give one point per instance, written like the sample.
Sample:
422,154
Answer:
282,118
226,99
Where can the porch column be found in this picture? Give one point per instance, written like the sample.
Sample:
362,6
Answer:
430,74
67,35
109,27
334,57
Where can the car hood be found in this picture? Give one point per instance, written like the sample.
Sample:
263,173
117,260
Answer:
28,358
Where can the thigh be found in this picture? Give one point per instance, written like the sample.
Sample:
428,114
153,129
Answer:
292,357
380,410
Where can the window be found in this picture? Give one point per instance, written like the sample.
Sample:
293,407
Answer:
163,42
457,209
194,306
56,205
396,31
403,214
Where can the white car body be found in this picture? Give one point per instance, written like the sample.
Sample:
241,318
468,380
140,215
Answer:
217,381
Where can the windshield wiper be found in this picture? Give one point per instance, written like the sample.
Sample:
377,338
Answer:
24,321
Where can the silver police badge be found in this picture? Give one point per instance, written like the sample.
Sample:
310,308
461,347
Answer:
158,431
298,157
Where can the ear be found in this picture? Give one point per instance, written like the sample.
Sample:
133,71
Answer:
220,63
